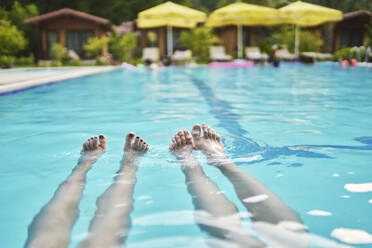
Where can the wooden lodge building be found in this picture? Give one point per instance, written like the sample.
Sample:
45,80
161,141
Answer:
69,27
351,31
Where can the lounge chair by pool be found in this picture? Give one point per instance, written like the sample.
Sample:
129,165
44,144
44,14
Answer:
151,53
180,57
217,53
311,57
253,53
283,54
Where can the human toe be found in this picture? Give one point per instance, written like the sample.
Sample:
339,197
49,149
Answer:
102,141
181,134
188,137
196,131
178,140
212,134
205,131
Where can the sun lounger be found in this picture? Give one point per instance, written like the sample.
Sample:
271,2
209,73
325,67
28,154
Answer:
253,53
283,54
311,57
217,53
180,57
151,53
317,56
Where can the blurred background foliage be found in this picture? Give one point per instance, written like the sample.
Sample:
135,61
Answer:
286,36
126,10
199,40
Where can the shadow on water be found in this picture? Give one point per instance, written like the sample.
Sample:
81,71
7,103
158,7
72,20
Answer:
242,144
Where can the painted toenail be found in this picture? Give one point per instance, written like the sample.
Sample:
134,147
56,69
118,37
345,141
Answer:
131,135
101,137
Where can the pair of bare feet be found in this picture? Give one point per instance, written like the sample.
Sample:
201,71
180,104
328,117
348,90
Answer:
183,143
94,147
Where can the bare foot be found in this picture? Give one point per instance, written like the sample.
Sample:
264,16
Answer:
182,144
134,147
93,148
210,143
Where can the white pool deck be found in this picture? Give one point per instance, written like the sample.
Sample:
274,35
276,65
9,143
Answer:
22,78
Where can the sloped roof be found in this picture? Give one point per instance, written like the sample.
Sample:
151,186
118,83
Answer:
67,12
358,13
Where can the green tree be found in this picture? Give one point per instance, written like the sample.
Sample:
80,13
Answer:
16,15
96,46
199,40
60,54
11,40
124,47
308,41
3,14
11,43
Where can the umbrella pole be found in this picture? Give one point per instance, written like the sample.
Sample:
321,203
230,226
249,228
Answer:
169,40
297,40
240,41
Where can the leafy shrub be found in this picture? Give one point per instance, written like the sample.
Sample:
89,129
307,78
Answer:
103,60
56,63
342,54
199,40
75,62
58,52
96,46
308,41
25,60
349,53
124,47
6,61
11,40
17,12
265,47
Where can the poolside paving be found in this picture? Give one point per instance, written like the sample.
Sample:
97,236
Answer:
23,78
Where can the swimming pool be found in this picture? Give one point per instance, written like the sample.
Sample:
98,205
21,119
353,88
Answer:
305,131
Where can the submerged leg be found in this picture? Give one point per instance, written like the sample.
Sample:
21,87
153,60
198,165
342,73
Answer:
205,194
265,206
111,223
51,227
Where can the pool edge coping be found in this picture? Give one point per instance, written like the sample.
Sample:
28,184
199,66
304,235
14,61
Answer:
28,84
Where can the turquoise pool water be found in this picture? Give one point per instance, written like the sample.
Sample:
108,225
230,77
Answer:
304,131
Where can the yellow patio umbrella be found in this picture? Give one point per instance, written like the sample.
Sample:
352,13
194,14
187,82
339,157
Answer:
243,14
305,14
170,15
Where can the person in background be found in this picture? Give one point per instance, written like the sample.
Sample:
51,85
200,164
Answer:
272,58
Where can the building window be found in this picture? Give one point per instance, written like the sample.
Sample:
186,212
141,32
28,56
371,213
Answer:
351,37
246,37
152,39
176,32
52,38
77,39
